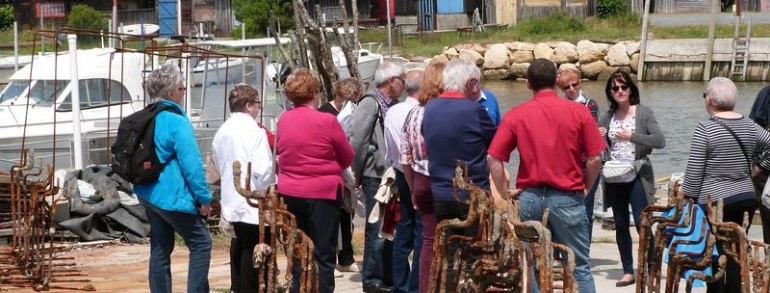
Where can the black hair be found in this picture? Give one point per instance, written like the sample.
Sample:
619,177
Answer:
622,77
541,74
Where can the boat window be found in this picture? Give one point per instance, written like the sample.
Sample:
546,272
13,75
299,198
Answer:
44,92
13,90
98,93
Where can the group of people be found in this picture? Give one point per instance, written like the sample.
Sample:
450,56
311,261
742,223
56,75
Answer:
323,160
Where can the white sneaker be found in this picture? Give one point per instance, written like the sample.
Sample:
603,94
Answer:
353,268
337,274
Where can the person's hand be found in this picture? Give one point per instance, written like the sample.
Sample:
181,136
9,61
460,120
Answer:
603,131
357,183
204,210
624,134
755,170
512,194
414,202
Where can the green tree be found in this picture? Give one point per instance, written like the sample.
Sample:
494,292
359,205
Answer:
255,15
6,17
610,8
84,17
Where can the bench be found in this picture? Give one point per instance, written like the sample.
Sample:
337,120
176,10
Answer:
467,31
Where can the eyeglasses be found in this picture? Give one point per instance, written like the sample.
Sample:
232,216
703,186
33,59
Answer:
399,78
570,86
704,95
475,82
617,88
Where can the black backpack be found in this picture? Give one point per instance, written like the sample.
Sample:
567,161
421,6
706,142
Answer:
133,153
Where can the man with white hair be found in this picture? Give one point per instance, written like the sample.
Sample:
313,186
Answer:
367,137
457,129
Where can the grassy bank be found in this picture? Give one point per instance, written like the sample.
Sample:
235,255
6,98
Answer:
558,27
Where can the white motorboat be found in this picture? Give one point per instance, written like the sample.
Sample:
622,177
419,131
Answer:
36,107
138,29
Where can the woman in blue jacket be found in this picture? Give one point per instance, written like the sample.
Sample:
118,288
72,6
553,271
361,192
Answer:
179,200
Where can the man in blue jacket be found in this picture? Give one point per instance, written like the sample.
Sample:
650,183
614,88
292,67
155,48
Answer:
180,199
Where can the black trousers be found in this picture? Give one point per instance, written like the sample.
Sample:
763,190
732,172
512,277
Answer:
235,265
345,255
733,213
759,185
320,220
247,238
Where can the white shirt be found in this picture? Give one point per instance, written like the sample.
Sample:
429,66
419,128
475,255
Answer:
241,139
394,127
345,115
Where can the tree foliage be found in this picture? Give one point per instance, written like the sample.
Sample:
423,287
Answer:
610,8
84,17
6,17
255,15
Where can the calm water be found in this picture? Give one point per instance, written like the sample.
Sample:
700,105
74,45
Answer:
678,107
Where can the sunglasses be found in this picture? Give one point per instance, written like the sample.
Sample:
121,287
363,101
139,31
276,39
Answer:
617,88
181,88
570,86
704,95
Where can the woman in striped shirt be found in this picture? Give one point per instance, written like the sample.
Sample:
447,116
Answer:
719,168
414,159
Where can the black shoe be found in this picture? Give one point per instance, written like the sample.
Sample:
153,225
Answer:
625,283
380,288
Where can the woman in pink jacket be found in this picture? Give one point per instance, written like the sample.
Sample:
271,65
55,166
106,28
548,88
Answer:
312,152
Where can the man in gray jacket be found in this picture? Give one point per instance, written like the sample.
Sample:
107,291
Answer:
366,136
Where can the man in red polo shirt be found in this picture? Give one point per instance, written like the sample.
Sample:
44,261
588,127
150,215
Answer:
551,134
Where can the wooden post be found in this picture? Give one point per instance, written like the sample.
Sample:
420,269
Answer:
643,48
710,42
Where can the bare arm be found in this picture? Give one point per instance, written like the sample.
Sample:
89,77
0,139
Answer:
497,170
593,164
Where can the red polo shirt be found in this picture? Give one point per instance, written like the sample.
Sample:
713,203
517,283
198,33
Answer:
551,133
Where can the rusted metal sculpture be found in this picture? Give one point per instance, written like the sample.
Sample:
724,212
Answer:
31,257
282,233
501,254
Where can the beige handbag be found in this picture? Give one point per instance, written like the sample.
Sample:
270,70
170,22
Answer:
212,174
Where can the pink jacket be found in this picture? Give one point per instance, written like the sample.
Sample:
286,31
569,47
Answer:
312,152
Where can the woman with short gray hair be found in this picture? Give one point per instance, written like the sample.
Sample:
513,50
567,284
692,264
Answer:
718,167
163,81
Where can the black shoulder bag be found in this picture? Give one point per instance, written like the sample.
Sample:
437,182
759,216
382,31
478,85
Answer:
740,144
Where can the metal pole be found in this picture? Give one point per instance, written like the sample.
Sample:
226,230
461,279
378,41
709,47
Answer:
114,18
390,37
710,42
111,29
179,16
16,46
42,27
643,49
76,135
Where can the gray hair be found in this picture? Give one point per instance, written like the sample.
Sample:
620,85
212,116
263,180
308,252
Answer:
722,92
163,80
386,71
412,81
457,74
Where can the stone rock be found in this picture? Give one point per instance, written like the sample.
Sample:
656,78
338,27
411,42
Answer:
451,53
603,47
521,46
519,70
632,48
542,50
617,56
472,56
592,70
496,57
440,58
495,74
478,48
589,52
565,53
609,70
552,44
635,63
522,57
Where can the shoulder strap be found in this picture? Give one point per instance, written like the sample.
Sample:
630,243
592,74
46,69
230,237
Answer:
740,144
379,112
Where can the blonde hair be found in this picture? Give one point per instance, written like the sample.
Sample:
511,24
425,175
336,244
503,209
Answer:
301,86
432,82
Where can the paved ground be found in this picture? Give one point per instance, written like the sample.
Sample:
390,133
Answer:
704,18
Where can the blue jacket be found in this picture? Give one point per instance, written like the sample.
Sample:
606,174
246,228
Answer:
489,101
181,186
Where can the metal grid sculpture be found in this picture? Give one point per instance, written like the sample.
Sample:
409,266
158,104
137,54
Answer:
283,234
499,257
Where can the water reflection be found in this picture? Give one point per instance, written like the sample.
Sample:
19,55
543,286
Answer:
678,107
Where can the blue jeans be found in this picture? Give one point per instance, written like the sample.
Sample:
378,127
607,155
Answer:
620,195
377,267
408,238
567,221
163,225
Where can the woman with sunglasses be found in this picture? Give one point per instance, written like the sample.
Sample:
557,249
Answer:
631,132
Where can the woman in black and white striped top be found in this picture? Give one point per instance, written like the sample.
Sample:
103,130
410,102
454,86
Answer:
717,167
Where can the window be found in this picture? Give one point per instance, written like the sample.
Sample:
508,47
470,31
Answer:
44,92
98,93
13,90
